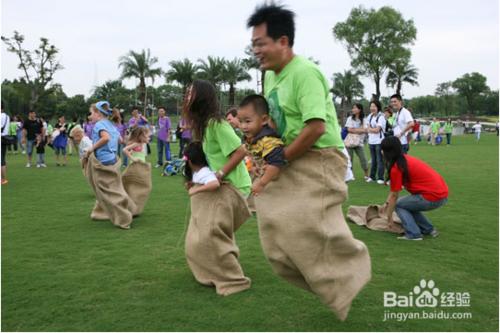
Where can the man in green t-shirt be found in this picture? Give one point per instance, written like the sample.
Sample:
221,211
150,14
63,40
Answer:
435,126
448,130
302,227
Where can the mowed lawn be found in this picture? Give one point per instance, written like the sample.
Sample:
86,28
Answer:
62,271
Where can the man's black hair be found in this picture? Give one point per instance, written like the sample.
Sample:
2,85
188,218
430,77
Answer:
278,19
398,97
258,102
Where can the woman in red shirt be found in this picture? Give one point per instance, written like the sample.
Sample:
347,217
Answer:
427,188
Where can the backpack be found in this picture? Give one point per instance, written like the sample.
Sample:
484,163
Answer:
174,167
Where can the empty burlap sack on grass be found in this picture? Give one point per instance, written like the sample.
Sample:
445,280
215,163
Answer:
136,180
372,218
211,250
111,199
304,234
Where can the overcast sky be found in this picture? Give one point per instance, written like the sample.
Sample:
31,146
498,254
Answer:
453,37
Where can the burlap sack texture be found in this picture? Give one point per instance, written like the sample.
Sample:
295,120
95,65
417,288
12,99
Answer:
372,218
112,202
303,232
137,183
210,247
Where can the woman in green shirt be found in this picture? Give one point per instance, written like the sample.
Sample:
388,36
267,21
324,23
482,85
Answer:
211,249
448,129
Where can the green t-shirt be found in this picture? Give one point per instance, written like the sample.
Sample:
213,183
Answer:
391,119
219,142
13,128
448,127
300,93
435,126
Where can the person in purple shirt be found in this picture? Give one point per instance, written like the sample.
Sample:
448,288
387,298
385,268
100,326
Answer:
88,126
137,119
117,120
185,139
163,136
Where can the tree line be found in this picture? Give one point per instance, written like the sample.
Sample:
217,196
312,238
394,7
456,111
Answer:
377,40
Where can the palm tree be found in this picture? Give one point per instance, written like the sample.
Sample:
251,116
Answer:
212,70
234,72
183,72
346,86
401,71
140,66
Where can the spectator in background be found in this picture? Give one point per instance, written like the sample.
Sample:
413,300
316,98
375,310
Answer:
497,125
61,141
448,130
185,138
40,151
117,121
163,136
88,126
70,126
376,126
416,132
403,122
389,121
477,130
4,122
14,123
232,119
31,128
434,128
19,134
356,127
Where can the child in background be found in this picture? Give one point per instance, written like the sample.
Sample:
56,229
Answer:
262,142
197,171
82,141
136,149
40,151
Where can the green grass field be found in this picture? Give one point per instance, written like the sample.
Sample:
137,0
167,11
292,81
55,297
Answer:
62,271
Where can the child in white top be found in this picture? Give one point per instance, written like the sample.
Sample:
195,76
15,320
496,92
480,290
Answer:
84,142
477,129
197,172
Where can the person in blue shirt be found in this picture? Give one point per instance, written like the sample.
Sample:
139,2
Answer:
105,136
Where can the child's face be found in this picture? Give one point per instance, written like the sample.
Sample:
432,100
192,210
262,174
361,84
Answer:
251,122
95,115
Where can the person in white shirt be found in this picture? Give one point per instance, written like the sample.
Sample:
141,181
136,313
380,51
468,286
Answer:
477,129
403,122
354,141
5,123
83,142
199,176
375,125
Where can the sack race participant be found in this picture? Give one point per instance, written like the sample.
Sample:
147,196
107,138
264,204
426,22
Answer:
136,177
211,250
103,171
301,225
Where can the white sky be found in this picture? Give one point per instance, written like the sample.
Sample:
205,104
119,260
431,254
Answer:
453,37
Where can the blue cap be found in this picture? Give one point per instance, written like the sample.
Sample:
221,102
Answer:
99,106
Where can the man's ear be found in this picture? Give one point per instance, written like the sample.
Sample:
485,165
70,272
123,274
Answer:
283,41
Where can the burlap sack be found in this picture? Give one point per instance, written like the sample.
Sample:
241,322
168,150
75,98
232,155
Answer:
373,219
303,232
136,180
211,250
111,199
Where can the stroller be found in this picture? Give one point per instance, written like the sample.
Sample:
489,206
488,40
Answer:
173,167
